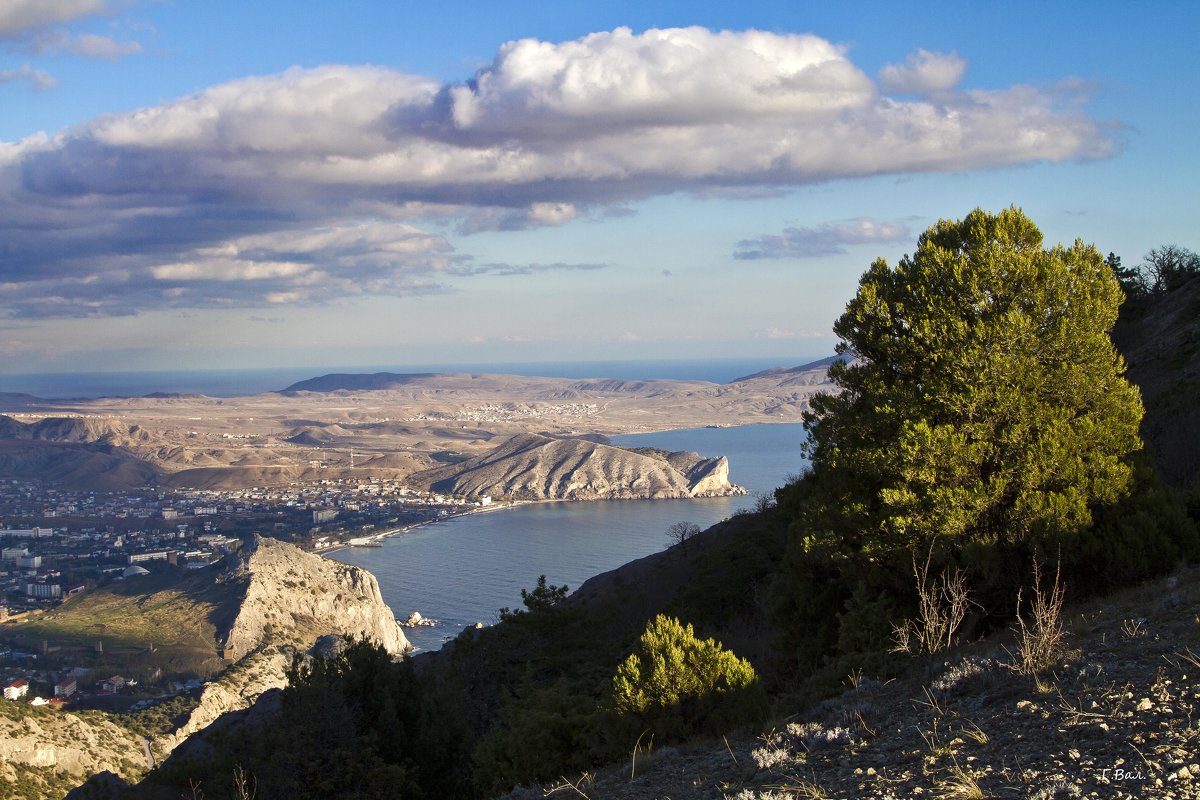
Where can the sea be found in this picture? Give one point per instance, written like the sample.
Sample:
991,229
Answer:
241,382
463,570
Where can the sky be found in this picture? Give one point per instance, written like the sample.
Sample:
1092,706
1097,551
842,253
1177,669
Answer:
200,185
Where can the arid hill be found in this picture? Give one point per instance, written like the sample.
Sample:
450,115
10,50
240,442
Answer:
532,467
394,425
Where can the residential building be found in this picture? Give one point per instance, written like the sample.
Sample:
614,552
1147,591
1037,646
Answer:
16,690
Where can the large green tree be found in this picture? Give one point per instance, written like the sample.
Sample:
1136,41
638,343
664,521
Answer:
980,398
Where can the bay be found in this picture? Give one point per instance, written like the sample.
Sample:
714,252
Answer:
462,571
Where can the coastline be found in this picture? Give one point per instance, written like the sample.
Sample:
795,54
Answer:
375,539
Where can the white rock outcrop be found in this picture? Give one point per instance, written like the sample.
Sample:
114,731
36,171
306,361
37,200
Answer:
294,597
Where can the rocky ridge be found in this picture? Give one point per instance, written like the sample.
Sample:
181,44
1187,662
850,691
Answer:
287,600
293,597
533,467
290,600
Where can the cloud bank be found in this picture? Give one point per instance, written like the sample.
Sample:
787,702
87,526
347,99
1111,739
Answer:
306,186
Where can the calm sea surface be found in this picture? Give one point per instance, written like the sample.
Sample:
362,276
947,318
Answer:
463,570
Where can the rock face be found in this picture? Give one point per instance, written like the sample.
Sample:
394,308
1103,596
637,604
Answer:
48,740
294,597
239,688
533,467
291,600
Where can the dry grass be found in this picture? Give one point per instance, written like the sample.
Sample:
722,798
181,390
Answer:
1040,639
961,785
577,787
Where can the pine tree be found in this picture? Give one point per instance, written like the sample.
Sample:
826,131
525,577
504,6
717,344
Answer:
981,397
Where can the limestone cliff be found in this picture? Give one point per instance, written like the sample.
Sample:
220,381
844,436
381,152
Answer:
533,467
239,688
290,598
294,597
276,600
37,744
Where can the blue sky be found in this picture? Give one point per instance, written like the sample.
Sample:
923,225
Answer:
230,184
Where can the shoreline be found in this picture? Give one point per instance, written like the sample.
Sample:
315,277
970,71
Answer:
375,539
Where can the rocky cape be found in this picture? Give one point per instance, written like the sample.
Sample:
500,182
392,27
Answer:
289,600
533,467
283,601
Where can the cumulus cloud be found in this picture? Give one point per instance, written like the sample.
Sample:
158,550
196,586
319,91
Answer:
823,240
923,73
174,197
611,81
257,270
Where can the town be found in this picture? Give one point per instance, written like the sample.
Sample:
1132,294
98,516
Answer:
56,544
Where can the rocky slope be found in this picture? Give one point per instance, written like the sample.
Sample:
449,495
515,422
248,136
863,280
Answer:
37,745
281,600
533,467
289,599
1115,718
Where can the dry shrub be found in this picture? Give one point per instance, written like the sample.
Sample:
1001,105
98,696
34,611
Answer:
1040,639
942,606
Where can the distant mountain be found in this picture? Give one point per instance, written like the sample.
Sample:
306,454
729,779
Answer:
12,401
339,381
821,367
562,388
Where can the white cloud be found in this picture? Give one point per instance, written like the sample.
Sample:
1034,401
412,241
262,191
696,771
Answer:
681,76
774,332
822,240
20,16
545,134
90,45
39,79
923,73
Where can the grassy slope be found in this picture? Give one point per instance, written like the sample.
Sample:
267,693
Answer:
177,614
